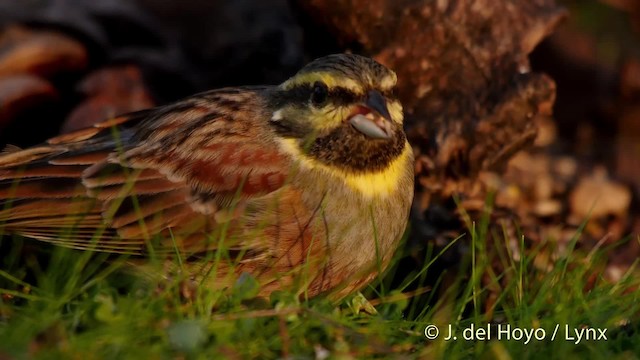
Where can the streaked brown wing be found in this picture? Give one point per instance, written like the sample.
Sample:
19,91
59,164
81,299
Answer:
171,171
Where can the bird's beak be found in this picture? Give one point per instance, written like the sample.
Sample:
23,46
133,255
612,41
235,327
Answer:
373,118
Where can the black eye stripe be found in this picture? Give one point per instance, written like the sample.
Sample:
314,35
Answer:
338,96
391,94
301,94
298,94
319,94
343,96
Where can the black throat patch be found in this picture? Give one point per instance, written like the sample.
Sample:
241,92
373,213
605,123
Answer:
350,150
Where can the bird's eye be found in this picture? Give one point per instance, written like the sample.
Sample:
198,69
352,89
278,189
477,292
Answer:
319,93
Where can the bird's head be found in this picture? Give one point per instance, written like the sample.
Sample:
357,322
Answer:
341,111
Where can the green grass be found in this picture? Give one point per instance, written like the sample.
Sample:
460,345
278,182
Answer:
79,305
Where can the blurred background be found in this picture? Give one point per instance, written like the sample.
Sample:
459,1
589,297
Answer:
530,108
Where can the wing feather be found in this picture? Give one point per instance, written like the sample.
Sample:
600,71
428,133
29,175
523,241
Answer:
167,172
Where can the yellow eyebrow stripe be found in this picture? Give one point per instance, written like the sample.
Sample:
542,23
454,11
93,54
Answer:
329,79
389,81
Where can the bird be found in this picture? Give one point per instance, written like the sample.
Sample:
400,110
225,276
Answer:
305,186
